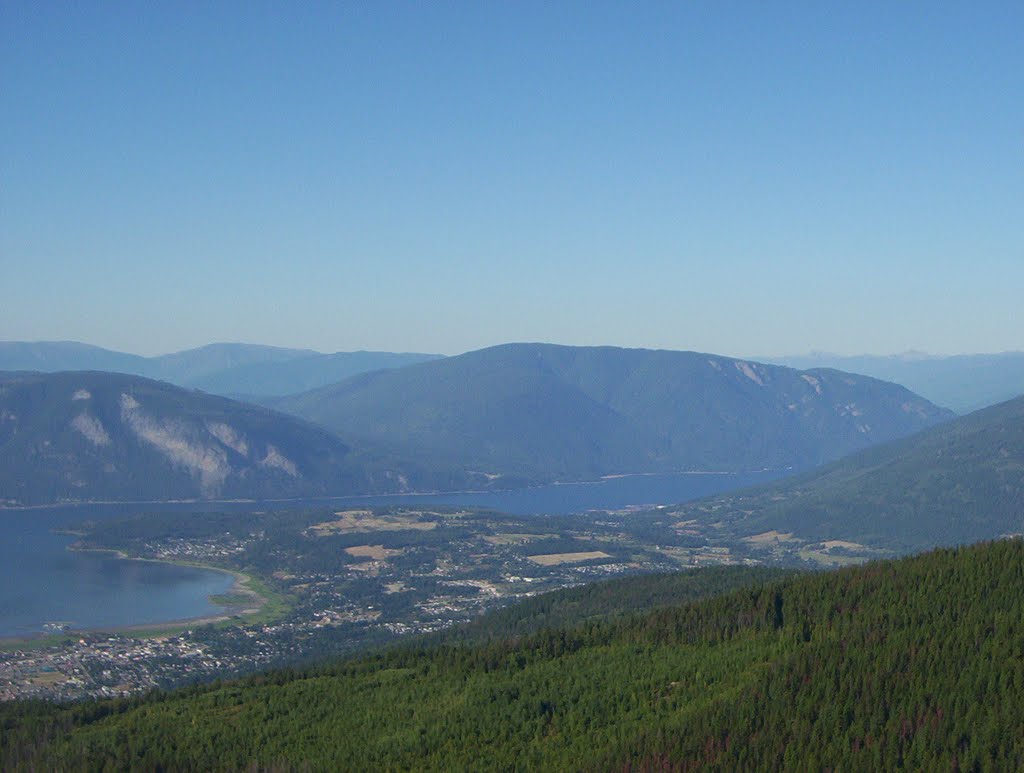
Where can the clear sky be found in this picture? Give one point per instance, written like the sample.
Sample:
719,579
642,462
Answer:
742,178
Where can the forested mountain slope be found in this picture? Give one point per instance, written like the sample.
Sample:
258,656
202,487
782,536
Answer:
80,436
914,664
560,412
956,483
616,599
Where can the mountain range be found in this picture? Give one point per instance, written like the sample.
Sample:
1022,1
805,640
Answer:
83,435
546,412
506,416
962,383
224,368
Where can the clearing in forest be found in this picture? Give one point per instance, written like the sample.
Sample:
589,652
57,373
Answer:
553,559
365,520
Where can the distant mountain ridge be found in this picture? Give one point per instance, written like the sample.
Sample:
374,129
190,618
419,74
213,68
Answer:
963,382
52,356
91,436
550,412
194,367
301,374
221,368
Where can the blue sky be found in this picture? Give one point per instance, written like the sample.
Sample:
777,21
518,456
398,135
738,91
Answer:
741,178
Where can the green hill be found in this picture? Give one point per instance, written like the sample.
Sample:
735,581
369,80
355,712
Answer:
914,665
559,412
956,483
81,436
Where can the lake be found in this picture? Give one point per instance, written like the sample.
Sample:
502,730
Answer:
42,582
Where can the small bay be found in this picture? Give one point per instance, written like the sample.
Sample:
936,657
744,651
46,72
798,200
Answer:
43,583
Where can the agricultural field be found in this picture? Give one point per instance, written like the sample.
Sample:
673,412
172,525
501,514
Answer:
555,559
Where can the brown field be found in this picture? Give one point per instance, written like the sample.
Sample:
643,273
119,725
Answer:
378,552
553,559
682,555
369,567
515,539
769,536
364,520
687,527
827,559
48,678
839,543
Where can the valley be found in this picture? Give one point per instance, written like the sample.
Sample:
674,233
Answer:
887,666
351,577
511,387
342,581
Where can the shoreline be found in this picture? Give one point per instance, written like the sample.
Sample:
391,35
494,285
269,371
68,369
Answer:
332,497
241,586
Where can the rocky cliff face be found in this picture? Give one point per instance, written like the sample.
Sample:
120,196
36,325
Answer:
97,436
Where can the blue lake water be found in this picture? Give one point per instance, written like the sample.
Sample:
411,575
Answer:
607,494
41,581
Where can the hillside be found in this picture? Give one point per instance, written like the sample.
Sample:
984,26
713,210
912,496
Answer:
912,664
963,382
77,436
605,600
225,368
957,483
559,412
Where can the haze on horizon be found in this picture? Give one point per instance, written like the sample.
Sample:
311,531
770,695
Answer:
745,180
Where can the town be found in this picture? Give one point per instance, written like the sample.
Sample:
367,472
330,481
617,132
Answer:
318,584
